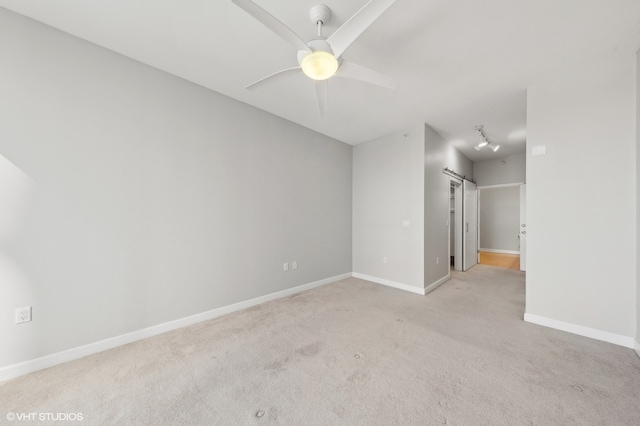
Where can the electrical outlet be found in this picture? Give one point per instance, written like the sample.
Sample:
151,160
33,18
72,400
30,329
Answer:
294,264
385,259
23,315
286,267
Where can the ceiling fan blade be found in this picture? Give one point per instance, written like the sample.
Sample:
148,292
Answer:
280,75
358,72
342,38
272,23
322,90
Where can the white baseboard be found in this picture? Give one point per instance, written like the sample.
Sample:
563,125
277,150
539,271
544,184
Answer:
428,289
500,251
389,283
26,367
637,348
605,336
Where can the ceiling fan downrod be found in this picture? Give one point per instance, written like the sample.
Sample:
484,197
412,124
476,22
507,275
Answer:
320,15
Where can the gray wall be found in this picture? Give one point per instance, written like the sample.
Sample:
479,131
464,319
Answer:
637,168
131,198
438,155
395,178
511,169
388,188
500,218
500,207
581,204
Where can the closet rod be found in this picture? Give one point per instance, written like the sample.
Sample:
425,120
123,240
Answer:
450,172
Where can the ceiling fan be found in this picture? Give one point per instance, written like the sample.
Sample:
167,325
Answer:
321,58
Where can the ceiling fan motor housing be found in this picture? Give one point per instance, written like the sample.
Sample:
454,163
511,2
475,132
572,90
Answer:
316,45
320,13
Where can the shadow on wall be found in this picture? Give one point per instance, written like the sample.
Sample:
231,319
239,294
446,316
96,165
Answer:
16,192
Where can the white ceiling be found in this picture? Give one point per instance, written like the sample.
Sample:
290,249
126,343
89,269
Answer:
459,63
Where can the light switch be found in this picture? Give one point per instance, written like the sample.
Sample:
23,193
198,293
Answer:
539,150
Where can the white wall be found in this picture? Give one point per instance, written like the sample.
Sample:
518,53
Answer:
438,155
500,218
131,198
581,204
388,189
511,169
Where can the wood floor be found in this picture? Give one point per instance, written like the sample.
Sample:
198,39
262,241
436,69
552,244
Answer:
510,261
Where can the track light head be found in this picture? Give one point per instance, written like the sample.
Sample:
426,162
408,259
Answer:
484,140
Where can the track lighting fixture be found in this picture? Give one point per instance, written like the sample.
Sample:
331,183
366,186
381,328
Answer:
484,141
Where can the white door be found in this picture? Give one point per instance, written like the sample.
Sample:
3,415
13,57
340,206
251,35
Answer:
523,227
457,261
470,221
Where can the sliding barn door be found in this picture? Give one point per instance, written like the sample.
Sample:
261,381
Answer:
470,223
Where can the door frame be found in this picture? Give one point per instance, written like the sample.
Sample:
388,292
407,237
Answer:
457,249
522,203
523,227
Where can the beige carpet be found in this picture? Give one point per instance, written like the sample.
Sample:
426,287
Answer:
352,352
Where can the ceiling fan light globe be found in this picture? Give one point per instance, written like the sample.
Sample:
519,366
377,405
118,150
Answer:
319,65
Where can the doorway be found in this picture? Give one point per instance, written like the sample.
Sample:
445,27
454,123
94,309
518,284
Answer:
502,225
523,227
455,224
463,224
